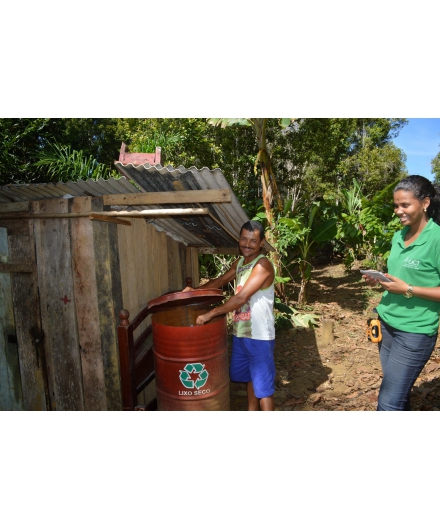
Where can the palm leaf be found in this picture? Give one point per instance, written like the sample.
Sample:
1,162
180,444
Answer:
64,163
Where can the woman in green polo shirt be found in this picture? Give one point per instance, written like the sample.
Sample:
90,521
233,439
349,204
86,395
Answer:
409,308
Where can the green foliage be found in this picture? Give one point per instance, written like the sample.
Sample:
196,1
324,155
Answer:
194,142
288,317
435,165
325,231
298,237
373,167
366,226
311,157
19,139
157,139
22,140
62,163
228,122
315,156
214,265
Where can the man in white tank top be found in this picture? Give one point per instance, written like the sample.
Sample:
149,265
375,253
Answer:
253,341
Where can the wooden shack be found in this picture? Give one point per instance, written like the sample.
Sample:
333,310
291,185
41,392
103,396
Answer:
73,254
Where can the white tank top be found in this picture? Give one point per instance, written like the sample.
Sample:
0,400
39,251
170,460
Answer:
255,319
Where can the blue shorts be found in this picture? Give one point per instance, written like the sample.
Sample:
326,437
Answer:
253,360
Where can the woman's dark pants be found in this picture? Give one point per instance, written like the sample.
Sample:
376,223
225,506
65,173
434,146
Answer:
403,356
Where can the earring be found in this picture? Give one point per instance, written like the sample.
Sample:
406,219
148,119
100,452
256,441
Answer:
424,209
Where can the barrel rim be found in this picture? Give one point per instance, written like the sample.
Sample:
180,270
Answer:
206,296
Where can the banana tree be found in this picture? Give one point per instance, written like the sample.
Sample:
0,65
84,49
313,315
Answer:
271,196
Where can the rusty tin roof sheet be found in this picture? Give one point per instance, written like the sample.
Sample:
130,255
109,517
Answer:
219,229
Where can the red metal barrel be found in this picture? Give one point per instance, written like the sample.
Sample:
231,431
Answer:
191,362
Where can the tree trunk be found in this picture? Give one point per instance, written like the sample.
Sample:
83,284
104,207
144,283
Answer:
303,292
271,196
268,184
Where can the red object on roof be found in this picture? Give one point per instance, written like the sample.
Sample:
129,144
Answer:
137,159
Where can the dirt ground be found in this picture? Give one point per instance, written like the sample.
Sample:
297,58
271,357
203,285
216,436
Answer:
343,374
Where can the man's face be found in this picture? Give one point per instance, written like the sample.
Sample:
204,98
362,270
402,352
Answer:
250,244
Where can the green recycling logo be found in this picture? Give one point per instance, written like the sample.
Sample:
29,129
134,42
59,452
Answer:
193,375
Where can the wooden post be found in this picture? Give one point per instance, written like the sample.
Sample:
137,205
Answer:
327,335
192,265
11,397
30,335
174,265
58,314
108,281
126,363
86,306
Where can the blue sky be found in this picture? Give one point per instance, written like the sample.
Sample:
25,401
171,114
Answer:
420,140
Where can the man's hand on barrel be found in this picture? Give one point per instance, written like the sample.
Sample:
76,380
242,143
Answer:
202,319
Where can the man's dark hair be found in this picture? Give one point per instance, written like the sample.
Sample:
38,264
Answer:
251,226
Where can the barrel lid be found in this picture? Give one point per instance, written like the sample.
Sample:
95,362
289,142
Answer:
178,298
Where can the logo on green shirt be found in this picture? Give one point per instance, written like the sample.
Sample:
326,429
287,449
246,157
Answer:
411,263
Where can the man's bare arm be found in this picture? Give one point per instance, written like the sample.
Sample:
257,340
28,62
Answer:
262,276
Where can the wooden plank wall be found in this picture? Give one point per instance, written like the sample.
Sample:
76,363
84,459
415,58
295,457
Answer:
58,313
134,256
86,305
66,310
10,382
30,336
192,265
137,252
176,266
108,282
80,290
152,264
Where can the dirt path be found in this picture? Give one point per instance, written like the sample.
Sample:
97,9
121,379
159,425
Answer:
345,374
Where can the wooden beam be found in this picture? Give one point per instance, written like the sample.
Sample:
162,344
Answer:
17,267
107,219
210,250
162,212
86,306
14,206
30,334
169,197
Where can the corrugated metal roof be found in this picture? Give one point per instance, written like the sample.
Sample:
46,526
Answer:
219,229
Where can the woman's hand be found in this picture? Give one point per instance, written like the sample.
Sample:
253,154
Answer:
370,280
396,286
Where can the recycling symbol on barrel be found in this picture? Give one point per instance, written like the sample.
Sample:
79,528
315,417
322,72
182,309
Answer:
193,375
